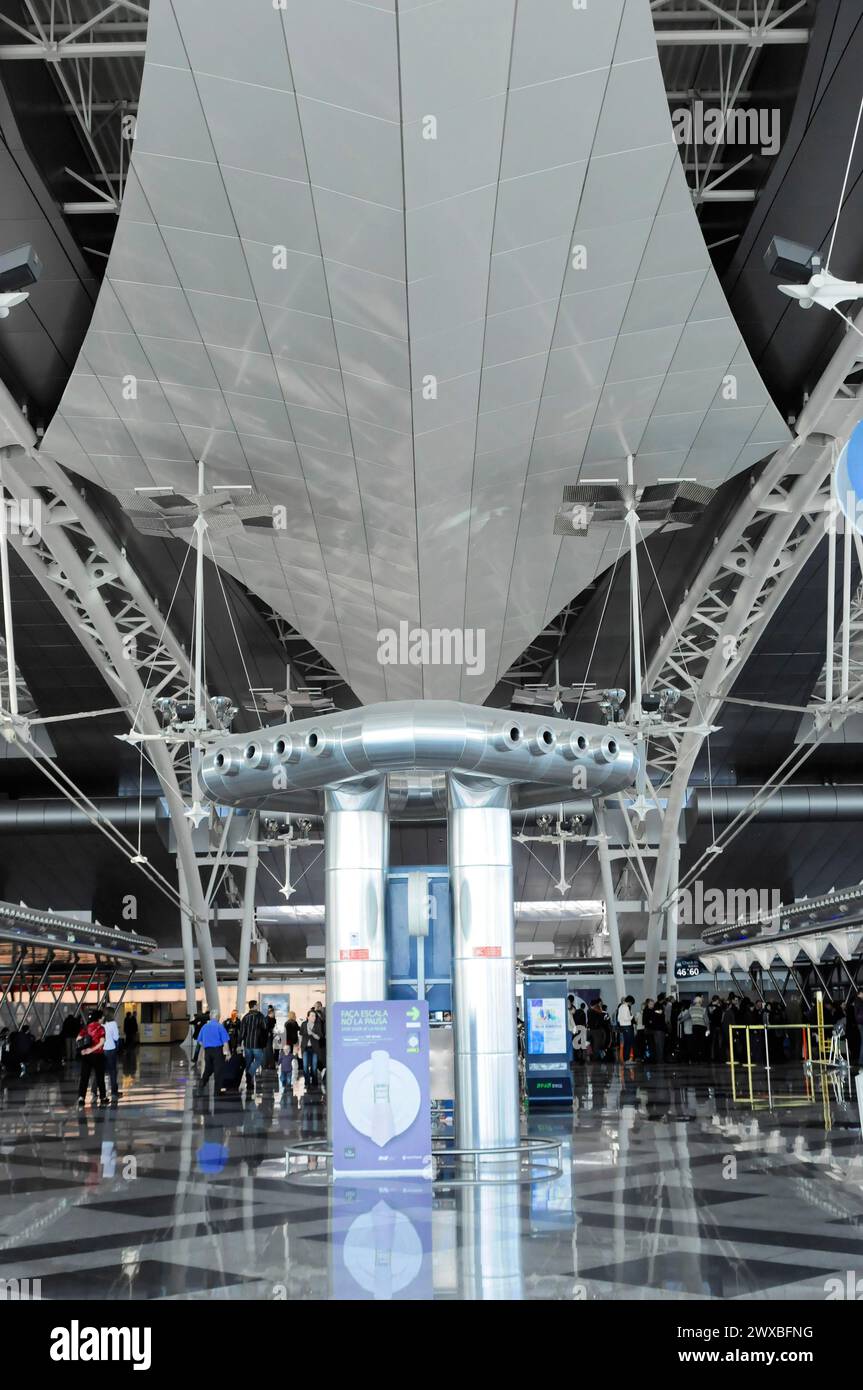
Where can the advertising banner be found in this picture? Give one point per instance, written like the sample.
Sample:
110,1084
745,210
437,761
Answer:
547,1041
378,1086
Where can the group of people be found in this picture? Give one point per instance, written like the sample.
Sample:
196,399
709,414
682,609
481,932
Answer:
244,1047
699,1030
22,1052
18,1050
96,1043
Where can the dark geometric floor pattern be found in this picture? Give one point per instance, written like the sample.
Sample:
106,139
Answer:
670,1190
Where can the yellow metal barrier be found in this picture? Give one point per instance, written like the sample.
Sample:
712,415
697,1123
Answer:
749,1065
809,1060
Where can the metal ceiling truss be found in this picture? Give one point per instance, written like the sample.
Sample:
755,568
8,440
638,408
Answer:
307,663
70,47
52,977
730,32
25,700
750,570
705,22
855,645
55,37
94,587
737,604
536,660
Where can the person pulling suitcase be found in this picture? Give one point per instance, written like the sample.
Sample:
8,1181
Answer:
213,1039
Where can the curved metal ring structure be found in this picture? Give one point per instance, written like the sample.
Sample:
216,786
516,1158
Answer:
299,1156
264,768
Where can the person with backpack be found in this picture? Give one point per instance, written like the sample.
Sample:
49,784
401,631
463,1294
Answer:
253,1040
90,1046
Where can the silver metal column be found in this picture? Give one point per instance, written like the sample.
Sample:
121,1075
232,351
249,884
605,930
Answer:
356,848
490,1244
483,965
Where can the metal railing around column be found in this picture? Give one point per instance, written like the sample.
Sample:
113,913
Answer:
515,1163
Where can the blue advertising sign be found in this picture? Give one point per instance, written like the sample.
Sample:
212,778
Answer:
547,1041
378,1085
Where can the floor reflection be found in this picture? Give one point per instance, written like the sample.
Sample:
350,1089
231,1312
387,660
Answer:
669,1188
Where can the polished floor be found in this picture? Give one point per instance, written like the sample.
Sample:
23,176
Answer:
670,1189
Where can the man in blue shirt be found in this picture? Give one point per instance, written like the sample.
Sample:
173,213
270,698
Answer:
213,1038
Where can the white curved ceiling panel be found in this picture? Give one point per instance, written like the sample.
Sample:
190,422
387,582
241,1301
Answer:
428,170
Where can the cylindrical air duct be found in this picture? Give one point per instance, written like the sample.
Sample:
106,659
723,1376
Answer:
483,963
267,768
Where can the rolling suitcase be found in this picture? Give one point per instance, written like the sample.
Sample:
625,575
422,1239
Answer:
232,1074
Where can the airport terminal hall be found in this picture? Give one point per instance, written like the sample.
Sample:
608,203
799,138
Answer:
431,667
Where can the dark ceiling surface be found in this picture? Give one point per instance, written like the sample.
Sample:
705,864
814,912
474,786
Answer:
770,77
799,200
39,343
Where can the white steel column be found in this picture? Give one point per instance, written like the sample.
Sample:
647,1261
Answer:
356,847
610,902
672,920
846,599
831,602
248,924
188,942
483,963
8,627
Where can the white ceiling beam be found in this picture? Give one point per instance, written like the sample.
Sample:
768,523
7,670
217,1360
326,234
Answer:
747,38
85,209
724,195
55,52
